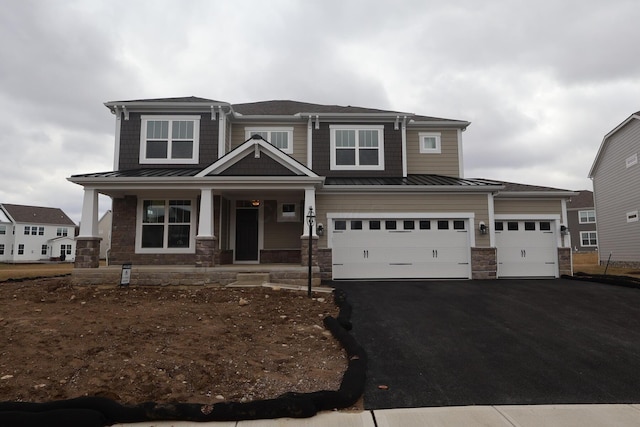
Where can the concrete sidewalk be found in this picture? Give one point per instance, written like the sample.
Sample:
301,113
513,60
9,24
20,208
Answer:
468,416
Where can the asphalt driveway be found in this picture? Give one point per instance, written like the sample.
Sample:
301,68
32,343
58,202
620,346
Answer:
443,343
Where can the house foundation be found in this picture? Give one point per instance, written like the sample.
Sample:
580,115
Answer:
87,252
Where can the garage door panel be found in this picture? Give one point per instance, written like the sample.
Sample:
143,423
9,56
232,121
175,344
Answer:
413,251
526,249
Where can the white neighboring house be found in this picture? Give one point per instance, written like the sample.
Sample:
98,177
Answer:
33,233
104,230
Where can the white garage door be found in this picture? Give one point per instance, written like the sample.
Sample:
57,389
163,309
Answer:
400,248
526,248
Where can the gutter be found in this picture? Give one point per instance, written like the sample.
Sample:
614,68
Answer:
528,194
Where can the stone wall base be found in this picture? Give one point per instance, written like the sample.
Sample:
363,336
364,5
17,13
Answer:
484,263
87,252
565,265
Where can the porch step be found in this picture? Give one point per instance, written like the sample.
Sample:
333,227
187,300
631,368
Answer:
252,278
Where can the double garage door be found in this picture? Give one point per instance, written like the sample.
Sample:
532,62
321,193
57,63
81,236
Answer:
400,248
526,248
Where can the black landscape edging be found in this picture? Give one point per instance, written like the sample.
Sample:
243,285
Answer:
626,281
99,412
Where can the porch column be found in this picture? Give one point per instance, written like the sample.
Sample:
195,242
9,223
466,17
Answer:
89,221
309,201
205,221
88,240
206,241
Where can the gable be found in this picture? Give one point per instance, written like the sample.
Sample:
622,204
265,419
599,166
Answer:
256,166
623,141
256,157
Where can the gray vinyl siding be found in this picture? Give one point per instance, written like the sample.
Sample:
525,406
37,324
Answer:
280,235
238,136
527,207
616,192
401,202
444,163
129,154
573,222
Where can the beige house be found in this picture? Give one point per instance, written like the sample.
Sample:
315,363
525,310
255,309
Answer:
211,189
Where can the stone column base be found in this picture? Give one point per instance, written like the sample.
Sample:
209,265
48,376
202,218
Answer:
206,251
304,250
565,266
87,252
484,263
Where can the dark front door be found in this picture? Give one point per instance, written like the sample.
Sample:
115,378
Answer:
247,235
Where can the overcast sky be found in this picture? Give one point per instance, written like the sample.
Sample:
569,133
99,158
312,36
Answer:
540,81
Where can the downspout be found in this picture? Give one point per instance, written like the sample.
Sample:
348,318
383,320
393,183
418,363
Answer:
309,144
222,122
492,221
404,147
460,158
116,150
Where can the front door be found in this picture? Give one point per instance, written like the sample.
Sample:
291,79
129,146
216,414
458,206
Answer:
247,234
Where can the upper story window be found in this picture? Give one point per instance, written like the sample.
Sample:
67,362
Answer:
3,229
169,139
61,232
280,137
587,217
430,142
357,147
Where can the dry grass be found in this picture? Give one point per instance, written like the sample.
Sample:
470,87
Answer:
22,271
614,271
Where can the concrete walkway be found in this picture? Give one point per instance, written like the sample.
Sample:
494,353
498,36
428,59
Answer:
467,416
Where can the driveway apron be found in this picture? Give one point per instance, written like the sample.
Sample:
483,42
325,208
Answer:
501,342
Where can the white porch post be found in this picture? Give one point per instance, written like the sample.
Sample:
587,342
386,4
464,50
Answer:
205,222
309,201
89,221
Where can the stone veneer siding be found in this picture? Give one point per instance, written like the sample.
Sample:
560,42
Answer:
87,252
483,263
304,251
564,261
325,262
206,251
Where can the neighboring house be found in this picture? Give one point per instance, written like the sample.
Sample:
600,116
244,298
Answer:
104,230
582,222
204,183
616,187
32,233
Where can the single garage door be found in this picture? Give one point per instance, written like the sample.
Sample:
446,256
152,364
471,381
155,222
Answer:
526,248
400,248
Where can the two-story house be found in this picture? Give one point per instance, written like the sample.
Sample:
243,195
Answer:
34,233
582,222
206,184
616,190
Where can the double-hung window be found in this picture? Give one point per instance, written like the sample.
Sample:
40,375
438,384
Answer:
61,232
280,137
587,217
589,238
3,229
166,226
169,139
357,147
429,142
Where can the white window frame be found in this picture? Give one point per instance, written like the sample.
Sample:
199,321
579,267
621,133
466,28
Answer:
169,160
589,233
356,128
252,130
632,216
166,250
3,229
62,232
586,221
1,248
21,249
426,150
290,216
44,250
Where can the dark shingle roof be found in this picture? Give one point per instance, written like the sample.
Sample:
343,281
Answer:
176,99
584,199
37,214
286,107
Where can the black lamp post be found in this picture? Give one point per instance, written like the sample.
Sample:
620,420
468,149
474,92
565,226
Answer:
311,216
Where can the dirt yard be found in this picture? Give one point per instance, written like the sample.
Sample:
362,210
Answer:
194,345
